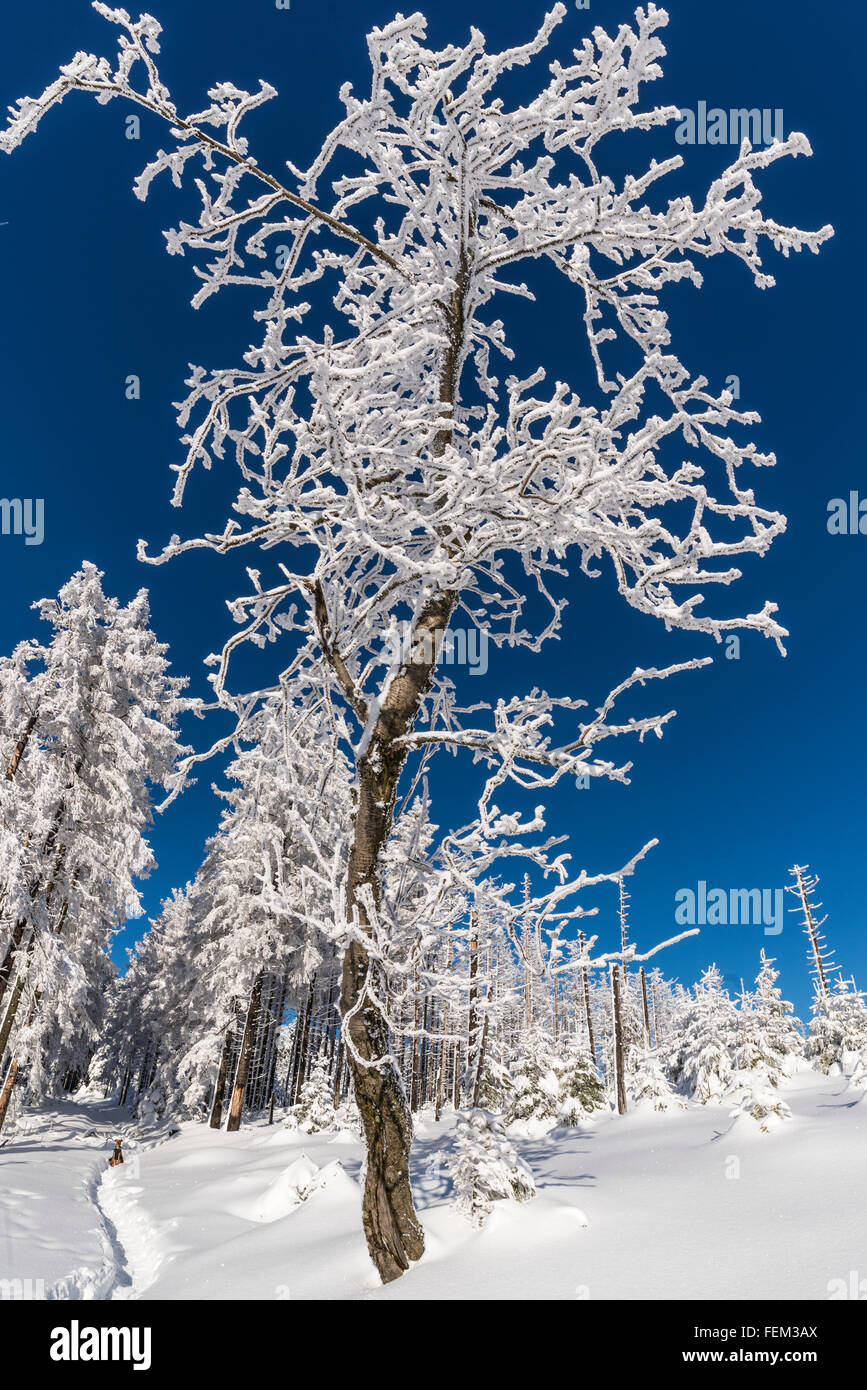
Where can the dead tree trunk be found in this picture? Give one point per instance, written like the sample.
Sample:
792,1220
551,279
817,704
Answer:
9,957
619,1067
6,1093
416,1049
216,1119
473,1021
244,1057
588,1017
646,1009
477,1085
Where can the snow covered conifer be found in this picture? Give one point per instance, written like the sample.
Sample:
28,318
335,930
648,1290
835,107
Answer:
536,1080
485,1167
769,1036
837,1040
580,1090
315,1108
650,1085
702,1064
103,738
497,1088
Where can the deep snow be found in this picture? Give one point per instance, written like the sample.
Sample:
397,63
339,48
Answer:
689,1204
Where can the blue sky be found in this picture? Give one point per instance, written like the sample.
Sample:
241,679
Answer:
765,763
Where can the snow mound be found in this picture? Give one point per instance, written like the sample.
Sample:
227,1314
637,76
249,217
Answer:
298,1181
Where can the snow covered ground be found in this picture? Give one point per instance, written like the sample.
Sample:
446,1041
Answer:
681,1205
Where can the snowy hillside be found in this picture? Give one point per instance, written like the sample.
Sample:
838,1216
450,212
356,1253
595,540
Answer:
688,1204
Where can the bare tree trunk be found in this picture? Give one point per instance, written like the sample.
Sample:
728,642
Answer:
441,1074
234,1121
124,1087
619,1069
12,1009
216,1119
655,1015
416,1050
6,1093
473,1022
338,1075
303,1044
591,1042
9,958
646,1010
394,1234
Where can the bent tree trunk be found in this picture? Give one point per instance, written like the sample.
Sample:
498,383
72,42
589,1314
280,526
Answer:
394,1234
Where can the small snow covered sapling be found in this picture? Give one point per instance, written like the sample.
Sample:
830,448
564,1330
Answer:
485,1167
581,1091
535,1077
650,1085
315,1108
703,1061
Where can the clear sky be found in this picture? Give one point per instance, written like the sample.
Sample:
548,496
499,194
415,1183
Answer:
765,763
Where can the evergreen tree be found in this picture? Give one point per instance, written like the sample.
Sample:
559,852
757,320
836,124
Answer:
535,1077
837,1040
315,1108
485,1167
100,737
580,1090
702,1062
649,1085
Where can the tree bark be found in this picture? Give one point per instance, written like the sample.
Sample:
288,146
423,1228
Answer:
9,958
216,1119
394,1234
646,1009
619,1069
234,1121
588,1017
6,1093
18,751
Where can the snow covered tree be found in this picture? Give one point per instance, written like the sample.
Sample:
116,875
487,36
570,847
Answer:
649,1084
102,740
258,912
837,1040
767,1042
580,1089
819,956
315,1108
702,1064
536,1080
485,1167
380,444
496,1087
769,1034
